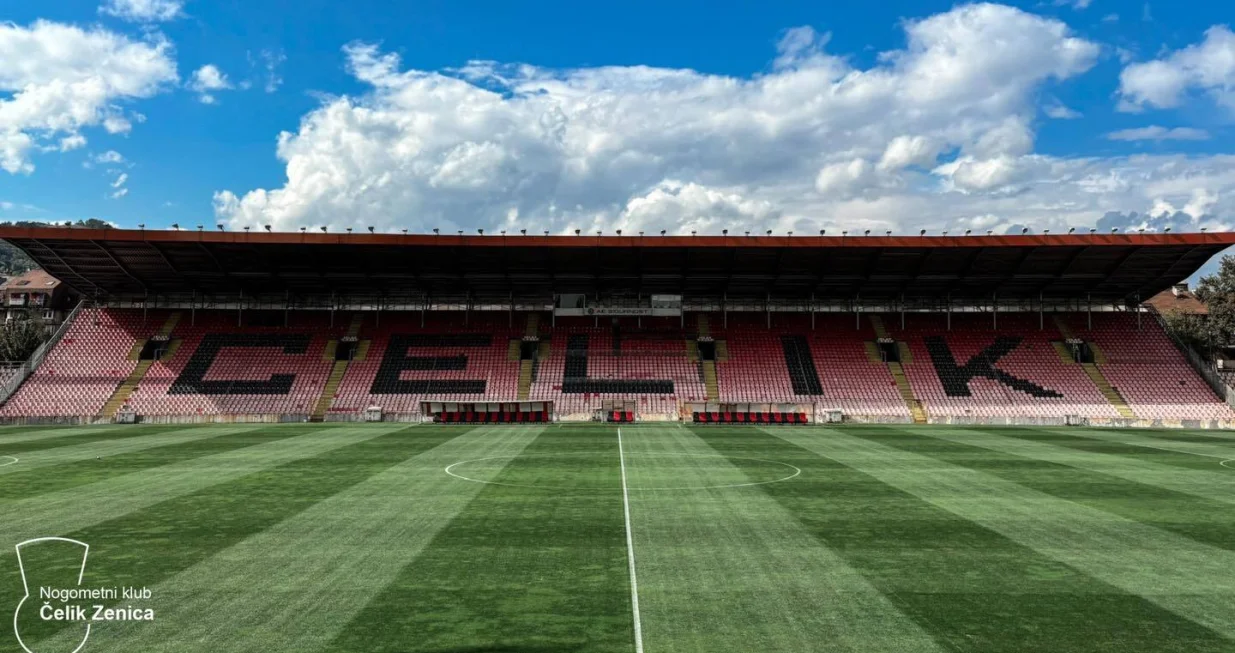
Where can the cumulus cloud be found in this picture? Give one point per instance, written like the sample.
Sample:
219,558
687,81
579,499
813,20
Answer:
143,11
938,134
61,79
206,81
1207,67
1159,133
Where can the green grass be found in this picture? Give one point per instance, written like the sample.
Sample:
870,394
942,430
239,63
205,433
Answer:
353,538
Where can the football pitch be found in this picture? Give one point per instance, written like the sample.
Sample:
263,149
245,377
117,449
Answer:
578,538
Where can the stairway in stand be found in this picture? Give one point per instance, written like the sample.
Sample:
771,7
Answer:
125,390
528,367
1095,373
898,374
337,371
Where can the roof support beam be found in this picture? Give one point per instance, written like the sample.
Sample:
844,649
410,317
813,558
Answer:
120,265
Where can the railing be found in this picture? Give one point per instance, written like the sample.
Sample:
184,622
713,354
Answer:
27,368
1206,369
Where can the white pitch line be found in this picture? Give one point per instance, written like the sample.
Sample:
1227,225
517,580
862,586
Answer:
630,551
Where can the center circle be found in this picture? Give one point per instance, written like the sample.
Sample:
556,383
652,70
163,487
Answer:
12,460
714,471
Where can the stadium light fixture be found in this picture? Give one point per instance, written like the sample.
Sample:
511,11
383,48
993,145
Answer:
868,232
176,226
1203,229
546,232
199,227
1093,230
1167,230
662,232
323,228
1046,232
693,232
246,229
724,232
945,232
769,232
597,232
619,232
844,233
523,231
641,234
888,232
989,232
1024,230
922,232
577,232
1141,230
436,232
1114,230
1071,229
370,228
141,225
302,229
968,231
503,232
460,232
823,232
404,232
349,230
480,231
267,228
748,233
221,227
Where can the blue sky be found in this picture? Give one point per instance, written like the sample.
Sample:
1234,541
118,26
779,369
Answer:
698,115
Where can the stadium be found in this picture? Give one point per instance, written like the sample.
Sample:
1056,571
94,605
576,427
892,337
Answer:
521,442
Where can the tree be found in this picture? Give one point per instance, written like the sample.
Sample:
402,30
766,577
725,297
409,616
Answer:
1218,293
19,338
1196,331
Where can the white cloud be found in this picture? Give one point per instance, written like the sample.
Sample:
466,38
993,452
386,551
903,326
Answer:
143,11
208,80
1159,133
62,79
1059,111
1110,18
936,135
270,61
1075,4
110,156
118,184
1207,67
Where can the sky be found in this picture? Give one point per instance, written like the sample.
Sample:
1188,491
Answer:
687,116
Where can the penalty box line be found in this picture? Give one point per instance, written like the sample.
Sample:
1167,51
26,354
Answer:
630,550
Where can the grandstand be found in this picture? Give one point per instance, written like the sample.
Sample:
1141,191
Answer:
205,326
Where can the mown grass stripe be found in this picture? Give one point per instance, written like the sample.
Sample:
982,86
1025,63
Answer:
1071,441
521,569
106,447
150,546
74,509
16,434
1186,577
1194,503
83,439
971,588
1215,451
794,592
25,483
293,584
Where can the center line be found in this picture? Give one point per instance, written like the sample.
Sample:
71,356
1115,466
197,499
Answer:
630,551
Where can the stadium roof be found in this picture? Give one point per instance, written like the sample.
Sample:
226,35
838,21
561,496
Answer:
130,263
